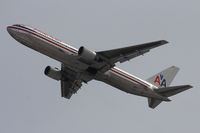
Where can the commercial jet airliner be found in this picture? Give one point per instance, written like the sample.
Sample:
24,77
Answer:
83,65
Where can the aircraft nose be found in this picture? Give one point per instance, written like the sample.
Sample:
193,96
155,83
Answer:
9,29
13,32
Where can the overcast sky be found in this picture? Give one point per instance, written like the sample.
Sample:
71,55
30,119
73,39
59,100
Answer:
31,102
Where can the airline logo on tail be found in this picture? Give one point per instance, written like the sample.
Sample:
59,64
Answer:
160,80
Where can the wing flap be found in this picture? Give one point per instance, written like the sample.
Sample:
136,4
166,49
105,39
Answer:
128,57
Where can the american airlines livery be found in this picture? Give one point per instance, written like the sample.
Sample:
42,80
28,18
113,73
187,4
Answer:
83,65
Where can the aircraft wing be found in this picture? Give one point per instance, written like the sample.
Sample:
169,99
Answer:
71,84
127,53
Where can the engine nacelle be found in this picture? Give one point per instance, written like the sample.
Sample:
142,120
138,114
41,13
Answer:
86,55
53,73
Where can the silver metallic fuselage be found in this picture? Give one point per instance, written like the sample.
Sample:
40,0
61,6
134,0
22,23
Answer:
68,55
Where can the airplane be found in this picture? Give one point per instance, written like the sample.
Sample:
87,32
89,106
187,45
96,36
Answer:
83,65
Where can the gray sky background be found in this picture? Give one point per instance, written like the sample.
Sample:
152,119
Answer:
31,102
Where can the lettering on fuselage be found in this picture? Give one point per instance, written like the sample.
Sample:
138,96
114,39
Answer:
47,35
160,80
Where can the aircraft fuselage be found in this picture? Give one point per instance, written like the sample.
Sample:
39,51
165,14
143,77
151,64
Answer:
68,55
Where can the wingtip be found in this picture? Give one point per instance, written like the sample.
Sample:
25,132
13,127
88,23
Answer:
187,87
190,86
164,41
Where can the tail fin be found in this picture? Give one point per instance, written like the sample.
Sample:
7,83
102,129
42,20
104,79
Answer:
162,80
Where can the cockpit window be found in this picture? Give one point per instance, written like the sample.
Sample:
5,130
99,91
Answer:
23,26
18,25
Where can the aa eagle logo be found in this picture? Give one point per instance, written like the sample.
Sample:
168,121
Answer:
160,80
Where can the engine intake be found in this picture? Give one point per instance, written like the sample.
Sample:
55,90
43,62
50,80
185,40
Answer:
86,55
53,73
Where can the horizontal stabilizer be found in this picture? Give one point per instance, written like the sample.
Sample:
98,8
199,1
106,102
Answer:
167,92
170,91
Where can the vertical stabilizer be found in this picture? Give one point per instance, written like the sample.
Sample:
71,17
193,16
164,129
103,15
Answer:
164,78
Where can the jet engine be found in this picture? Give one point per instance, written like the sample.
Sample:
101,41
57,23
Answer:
86,55
53,73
